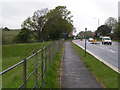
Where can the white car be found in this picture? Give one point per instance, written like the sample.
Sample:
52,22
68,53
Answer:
90,39
106,40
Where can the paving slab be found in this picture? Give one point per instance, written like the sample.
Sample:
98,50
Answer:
74,73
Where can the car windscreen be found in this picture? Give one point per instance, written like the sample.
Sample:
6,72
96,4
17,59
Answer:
106,38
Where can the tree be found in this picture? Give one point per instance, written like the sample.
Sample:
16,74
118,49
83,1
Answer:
6,29
103,30
23,36
82,34
74,30
111,23
58,22
45,24
88,34
36,23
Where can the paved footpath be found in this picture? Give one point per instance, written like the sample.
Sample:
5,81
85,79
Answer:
74,72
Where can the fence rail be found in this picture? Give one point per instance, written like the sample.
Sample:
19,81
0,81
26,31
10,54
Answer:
42,59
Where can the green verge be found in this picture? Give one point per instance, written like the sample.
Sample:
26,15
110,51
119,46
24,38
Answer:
14,53
52,79
103,74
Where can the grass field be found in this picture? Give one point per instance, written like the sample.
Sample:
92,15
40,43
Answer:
14,53
105,75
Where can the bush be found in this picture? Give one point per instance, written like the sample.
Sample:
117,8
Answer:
23,36
6,29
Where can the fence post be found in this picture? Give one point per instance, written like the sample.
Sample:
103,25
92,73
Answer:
36,71
47,51
46,61
49,54
53,48
24,73
58,44
42,66
56,48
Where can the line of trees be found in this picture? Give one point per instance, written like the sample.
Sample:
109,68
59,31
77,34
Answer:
82,34
46,25
110,28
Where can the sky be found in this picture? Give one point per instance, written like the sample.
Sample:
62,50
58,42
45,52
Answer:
86,13
119,9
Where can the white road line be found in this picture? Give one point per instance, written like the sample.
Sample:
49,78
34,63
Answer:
108,64
101,47
112,51
106,48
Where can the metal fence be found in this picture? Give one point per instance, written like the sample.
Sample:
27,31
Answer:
41,62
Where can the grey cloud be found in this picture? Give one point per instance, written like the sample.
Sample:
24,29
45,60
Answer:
14,13
119,9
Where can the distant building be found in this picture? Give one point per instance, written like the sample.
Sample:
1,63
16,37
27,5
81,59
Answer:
119,11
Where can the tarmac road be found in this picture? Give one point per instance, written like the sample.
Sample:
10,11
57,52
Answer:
107,53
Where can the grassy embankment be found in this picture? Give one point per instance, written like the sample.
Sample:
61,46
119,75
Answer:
14,53
7,36
105,75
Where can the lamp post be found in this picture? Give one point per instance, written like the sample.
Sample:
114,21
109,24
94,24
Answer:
98,21
85,41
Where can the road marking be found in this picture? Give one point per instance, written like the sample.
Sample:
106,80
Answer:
105,48
101,47
108,64
112,51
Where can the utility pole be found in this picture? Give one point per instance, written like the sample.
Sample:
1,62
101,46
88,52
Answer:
98,22
85,41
